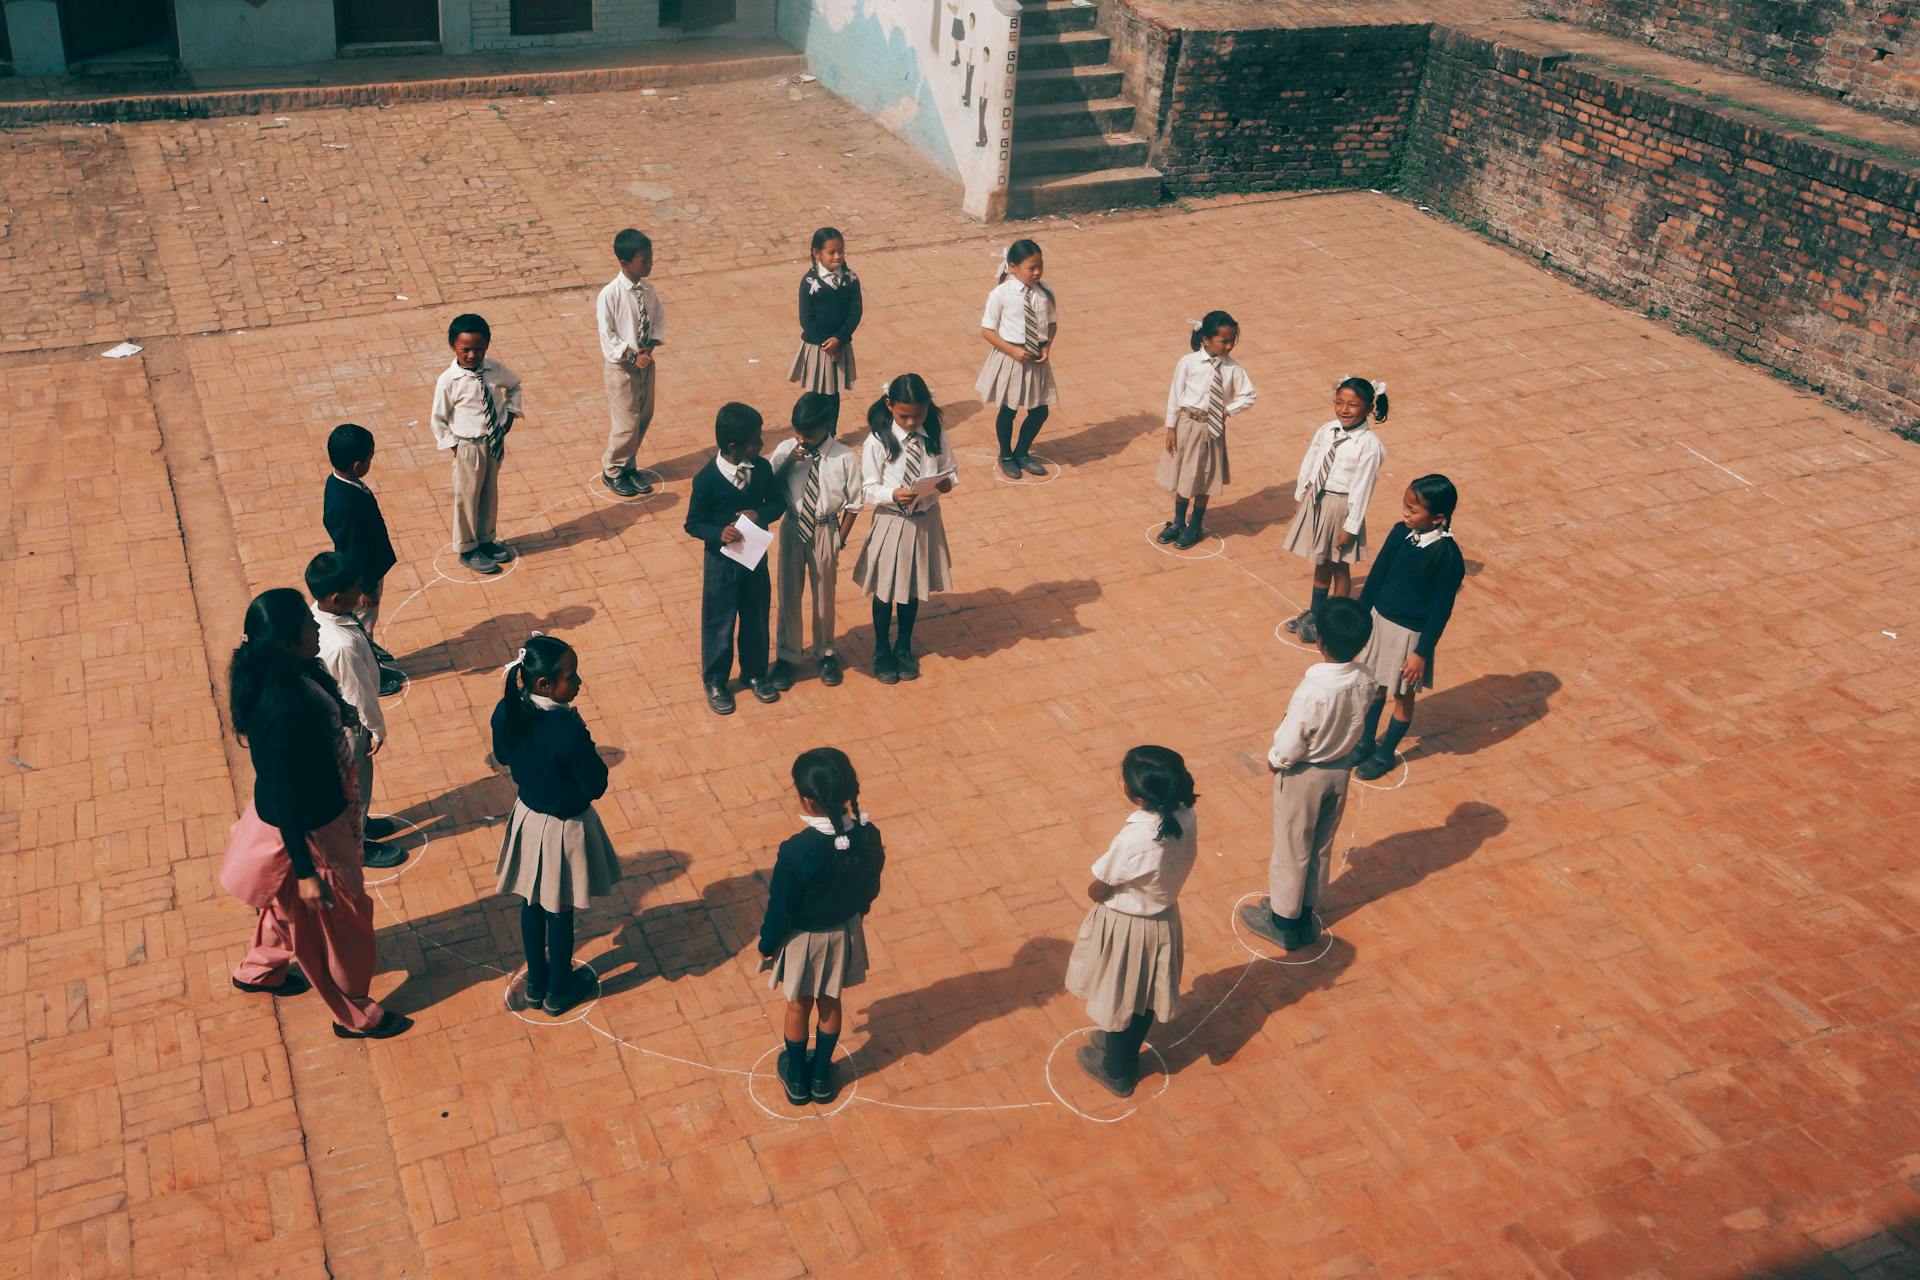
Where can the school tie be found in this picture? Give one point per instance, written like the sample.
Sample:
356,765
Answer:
1032,343
494,442
1340,437
740,477
916,459
1217,402
810,500
643,328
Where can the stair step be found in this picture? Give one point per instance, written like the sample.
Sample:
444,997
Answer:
1067,84
1039,157
1070,119
1069,49
1056,16
1107,189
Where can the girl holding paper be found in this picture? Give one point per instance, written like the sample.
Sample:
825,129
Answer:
906,464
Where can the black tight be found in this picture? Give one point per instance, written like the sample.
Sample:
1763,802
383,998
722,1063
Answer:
548,939
1029,429
1122,1051
909,610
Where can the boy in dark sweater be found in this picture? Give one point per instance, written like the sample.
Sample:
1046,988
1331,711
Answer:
738,481
352,516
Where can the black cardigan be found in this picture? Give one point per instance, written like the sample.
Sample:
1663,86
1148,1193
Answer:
292,737
829,313
715,503
353,519
554,764
1411,590
806,895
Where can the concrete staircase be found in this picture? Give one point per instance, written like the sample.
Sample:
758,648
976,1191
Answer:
1073,148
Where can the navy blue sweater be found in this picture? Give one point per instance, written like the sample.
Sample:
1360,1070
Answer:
829,313
554,764
715,503
1414,586
807,895
353,520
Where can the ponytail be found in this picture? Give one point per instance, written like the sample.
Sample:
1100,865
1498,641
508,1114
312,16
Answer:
908,388
1157,777
1211,323
539,659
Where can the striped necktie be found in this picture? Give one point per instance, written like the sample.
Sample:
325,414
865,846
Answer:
810,500
1340,437
643,328
916,460
1032,343
486,399
740,476
1217,401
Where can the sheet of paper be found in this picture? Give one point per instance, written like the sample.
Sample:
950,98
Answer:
753,544
926,485
122,351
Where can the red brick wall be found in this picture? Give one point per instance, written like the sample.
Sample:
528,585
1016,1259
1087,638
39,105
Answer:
1864,51
1787,250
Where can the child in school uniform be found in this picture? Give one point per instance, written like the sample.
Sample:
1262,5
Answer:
812,939
1020,322
475,404
1127,958
906,464
830,310
1308,760
346,651
1337,475
352,516
736,482
824,490
1411,592
1208,387
556,855
632,325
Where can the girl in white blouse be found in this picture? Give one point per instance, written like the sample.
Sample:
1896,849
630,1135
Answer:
1337,476
1208,387
906,464
1020,322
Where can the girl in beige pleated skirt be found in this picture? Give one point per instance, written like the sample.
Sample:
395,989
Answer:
1337,475
555,856
906,465
1127,959
1208,388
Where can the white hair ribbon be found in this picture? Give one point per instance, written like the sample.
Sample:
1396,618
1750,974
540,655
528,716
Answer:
520,656
1379,385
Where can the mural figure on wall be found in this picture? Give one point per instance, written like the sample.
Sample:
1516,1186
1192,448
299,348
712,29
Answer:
981,141
959,33
933,27
966,94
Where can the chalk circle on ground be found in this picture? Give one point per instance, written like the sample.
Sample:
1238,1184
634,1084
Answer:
1280,634
413,856
1202,552
460,575
848,1091
1239,936
1053,472
596,488
1400,767
516,985
1166,1079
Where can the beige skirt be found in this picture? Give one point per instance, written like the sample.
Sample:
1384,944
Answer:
820,964
1197,467
905,557
1316,524
557,864
1125,965
1388,649
815,370
1006,381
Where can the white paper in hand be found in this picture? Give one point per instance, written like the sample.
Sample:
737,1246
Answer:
753,544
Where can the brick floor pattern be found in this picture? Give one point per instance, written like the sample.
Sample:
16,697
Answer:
1623,978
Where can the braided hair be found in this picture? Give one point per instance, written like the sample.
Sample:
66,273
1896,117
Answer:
825,776
1439,497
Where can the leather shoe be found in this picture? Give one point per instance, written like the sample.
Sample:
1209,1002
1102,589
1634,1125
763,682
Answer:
392,681
569,991
1010,468
720,699
1168,532
1374,766
478,562
1189,537
291,985
1094,1063
884,668
765,689
499,552
381,856
780,676
621,485
830,670
389,1026
1032,467
906,664
640,486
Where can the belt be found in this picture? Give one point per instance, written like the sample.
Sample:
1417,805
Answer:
1298,765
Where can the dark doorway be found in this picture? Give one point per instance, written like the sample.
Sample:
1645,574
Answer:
387,21
93,28
551,17
693,15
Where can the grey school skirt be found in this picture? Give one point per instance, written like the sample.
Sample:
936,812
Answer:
1125,965
1316,523
1197,467
1388,649
1006,381
815,370
557,864
813,964
905,557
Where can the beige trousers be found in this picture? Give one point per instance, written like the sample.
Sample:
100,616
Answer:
797,564
476,494
1306,814
630,413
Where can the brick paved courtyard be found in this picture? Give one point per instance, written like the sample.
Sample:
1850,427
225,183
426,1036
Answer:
1623,975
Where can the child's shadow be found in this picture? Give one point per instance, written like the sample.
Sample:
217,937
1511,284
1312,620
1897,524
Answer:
1099,440
603,523
685,939
1255,512
490,645
993,619
1404,859
1226,1009
927,1020
1483,712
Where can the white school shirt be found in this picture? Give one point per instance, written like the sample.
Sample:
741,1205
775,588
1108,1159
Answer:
1193,386
883,475
1148,870
459,413
1325,716
346,651
1355,468
619,314
1006,312
842,487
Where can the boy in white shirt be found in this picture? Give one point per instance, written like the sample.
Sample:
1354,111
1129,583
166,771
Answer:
824,488
1309,765
632,326
475,403
346,651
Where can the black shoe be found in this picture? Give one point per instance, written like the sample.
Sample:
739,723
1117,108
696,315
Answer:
1168,532
1032,468
392,681
764,689
720,699
1309,632
1298,620
477,562
578,986
533,996
382,828
1374,766
885,669
780,676
389,1026
794,1077
822,1087
640,487
1189,536
1094,1062
621,485
291,985
381,856
499,552
1010,468
905,663
830,670
1360,755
